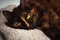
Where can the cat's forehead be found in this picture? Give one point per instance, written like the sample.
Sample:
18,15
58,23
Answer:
32,10
37,2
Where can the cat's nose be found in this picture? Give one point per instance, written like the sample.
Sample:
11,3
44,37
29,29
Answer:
24,20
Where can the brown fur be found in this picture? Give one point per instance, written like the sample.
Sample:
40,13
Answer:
44,17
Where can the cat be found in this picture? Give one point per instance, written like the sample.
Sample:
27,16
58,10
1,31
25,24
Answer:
35,14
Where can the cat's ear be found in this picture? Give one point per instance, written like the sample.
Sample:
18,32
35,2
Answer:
7,14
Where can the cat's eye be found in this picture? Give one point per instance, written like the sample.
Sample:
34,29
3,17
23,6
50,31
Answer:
28,16
16,24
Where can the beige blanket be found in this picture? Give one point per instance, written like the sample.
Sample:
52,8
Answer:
19,34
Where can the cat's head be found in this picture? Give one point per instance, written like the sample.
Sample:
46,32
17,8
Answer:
28,18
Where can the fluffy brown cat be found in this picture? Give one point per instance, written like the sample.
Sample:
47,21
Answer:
36,14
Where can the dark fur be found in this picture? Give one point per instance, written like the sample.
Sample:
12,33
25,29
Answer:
47,20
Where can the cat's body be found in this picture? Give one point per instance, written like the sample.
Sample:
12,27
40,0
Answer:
35,15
